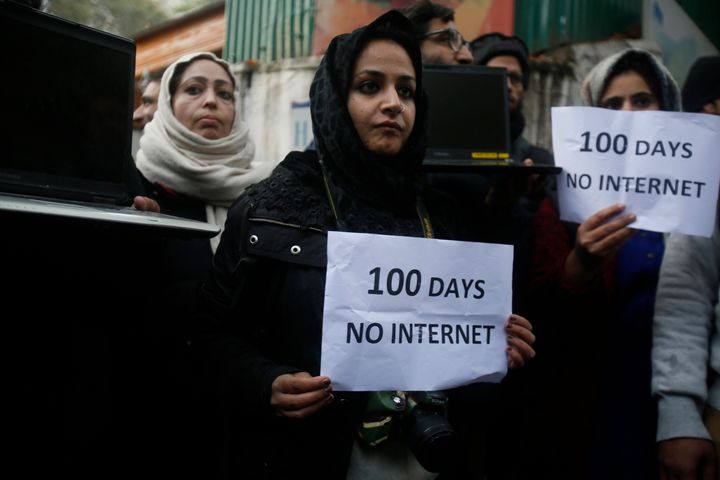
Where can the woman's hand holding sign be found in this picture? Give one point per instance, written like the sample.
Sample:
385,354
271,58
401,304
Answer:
299,395
598,237
519,339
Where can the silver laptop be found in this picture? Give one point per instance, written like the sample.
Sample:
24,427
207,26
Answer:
66,124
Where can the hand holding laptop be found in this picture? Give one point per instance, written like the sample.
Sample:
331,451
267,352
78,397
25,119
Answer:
75,161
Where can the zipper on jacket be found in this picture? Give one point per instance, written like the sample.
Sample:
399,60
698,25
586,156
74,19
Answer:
291,225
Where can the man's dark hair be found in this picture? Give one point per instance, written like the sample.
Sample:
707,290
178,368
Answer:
702,84
149,77
422,12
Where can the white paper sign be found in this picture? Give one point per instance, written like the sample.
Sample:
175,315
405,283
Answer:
664,166
407,313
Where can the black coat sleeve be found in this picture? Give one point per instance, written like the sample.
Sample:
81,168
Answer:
236,317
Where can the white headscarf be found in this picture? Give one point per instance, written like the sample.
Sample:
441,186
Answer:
594,84
215,171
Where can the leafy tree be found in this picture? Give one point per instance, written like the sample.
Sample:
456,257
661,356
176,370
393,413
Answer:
184,6
123,17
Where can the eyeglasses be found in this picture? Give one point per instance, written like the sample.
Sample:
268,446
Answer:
638,101
453,38
515,78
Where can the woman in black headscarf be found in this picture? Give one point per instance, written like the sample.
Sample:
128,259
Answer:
369,112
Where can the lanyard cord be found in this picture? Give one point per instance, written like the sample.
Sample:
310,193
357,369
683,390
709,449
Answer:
424,218
419,207
327,192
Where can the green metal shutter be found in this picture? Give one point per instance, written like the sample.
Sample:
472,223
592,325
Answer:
268,30
706,15
547,23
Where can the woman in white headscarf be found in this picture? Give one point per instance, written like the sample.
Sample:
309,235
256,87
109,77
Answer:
196,154
196,157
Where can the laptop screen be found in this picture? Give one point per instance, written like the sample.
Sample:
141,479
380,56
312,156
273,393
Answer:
68,103
468,121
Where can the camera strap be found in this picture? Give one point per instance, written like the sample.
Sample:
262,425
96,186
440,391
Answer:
424,218
381,410
382,407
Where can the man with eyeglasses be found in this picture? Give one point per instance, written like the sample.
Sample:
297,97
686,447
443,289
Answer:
498,207
440,41
486,221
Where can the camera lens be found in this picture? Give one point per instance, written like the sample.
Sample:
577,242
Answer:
433,441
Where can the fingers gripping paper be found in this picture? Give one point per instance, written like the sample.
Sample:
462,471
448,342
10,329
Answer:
663,166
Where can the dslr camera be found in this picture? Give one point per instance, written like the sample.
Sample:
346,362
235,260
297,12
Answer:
417,418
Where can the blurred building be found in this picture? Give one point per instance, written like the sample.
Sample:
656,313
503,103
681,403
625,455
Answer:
200,29
275,46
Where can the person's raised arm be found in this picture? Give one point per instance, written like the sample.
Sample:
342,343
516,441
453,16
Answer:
685,309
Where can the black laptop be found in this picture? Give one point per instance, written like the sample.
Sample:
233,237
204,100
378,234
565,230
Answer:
468,122
66,128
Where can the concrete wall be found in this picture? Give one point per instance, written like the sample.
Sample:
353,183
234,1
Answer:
556,78
274,104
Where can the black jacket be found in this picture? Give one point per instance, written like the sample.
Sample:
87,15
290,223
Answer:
266,295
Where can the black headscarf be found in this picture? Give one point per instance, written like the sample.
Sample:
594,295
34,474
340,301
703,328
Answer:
387,181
